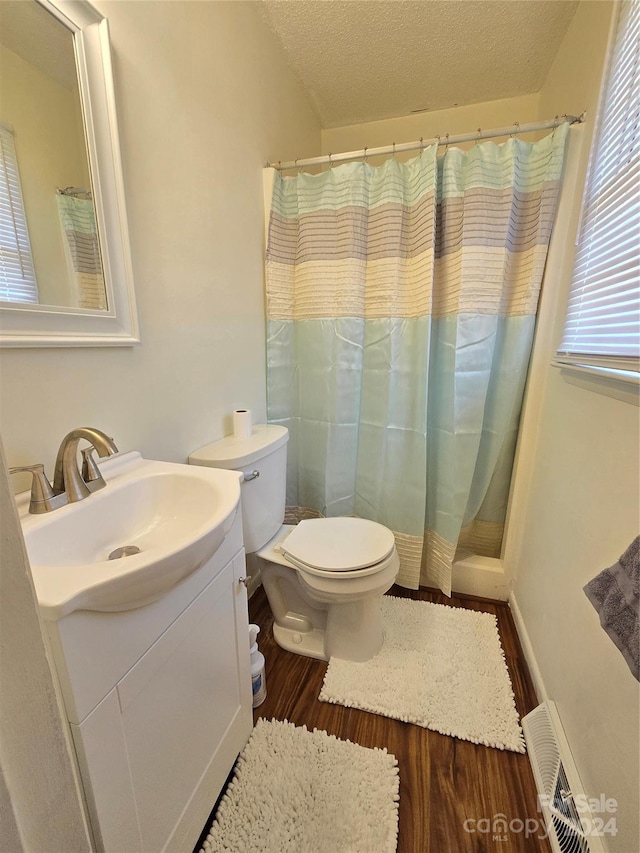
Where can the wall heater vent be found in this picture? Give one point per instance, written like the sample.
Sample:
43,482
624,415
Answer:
569,820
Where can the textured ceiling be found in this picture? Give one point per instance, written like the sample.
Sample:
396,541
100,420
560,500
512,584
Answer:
364,60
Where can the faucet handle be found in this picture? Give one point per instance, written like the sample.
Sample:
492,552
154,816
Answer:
90,471
43,498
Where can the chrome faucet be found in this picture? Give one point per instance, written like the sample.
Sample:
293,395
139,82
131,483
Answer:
67,477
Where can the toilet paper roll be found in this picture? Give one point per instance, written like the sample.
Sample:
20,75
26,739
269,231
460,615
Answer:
242,423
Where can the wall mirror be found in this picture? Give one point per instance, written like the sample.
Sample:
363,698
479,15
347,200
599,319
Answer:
65,265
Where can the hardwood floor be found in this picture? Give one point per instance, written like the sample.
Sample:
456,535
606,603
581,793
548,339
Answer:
444,782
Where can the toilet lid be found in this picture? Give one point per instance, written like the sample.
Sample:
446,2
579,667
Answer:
338,544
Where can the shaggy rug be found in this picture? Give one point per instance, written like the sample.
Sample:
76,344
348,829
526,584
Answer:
440,667
300,791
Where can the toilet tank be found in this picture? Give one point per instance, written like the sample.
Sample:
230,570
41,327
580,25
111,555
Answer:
263,461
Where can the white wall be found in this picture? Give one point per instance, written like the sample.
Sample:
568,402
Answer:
39,802
488,114
204,99
582,507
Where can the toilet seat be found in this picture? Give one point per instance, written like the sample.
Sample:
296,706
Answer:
344,547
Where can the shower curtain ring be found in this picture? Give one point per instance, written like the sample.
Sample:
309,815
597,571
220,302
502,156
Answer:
478,136
514,132
422,145
364,155
330,163
394,151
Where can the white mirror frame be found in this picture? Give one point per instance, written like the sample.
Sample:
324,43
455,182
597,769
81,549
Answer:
46,325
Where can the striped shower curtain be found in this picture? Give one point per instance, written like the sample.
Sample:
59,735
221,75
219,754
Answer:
77,216
401,307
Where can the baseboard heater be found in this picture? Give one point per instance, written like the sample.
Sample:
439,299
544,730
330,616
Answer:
571,824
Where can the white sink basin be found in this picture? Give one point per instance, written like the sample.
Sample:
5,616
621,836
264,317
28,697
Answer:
177,515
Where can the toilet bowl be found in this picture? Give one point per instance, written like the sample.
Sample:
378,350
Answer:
324,577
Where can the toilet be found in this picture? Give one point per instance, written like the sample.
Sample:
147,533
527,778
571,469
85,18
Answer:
324,577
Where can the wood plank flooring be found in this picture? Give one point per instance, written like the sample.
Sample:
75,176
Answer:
443,781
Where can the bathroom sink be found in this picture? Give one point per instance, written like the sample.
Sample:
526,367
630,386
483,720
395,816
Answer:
159,521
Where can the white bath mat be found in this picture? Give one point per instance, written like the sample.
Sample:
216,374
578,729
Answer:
440,667
297,791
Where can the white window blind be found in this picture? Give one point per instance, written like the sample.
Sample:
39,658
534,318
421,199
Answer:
602,327
17,274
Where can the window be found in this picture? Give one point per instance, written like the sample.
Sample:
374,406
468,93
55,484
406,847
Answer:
602,327
17,275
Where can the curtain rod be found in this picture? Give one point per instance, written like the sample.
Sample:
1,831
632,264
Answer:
512,130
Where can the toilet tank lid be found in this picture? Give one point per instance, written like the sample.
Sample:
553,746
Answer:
232,452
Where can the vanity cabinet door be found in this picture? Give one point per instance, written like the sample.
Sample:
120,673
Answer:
178,702
104,769
177,721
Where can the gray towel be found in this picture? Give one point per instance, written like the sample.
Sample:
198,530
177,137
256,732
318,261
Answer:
615,594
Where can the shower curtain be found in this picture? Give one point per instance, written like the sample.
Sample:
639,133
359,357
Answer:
401,307
77,216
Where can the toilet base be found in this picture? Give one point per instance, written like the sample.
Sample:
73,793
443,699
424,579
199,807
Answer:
307,625
310,643
353,632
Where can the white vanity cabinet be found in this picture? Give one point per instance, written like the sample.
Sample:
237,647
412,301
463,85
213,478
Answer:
159,705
